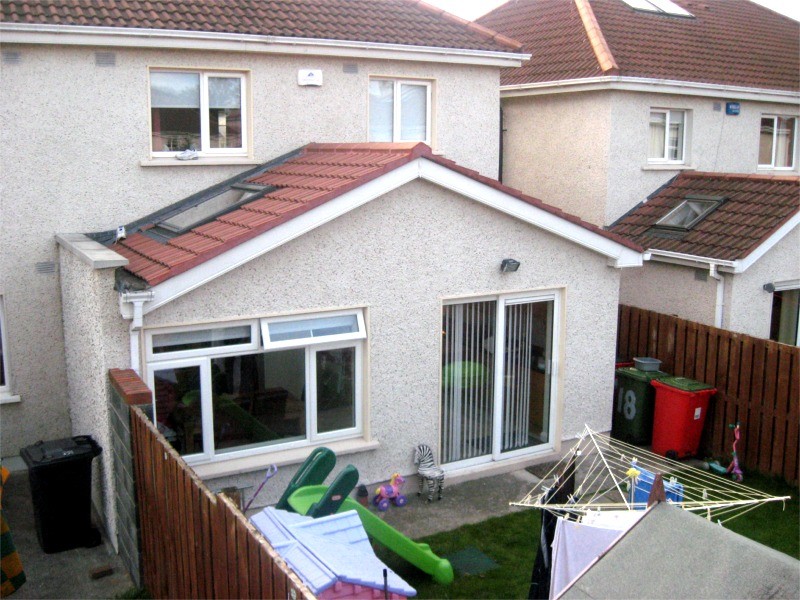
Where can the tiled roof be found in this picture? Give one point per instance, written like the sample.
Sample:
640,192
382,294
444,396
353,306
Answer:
316,174
408,22
755,207
727,42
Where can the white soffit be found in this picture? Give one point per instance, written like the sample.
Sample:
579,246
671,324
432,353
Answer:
619,256
74,35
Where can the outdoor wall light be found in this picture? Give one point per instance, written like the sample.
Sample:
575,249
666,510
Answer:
769,287
509,265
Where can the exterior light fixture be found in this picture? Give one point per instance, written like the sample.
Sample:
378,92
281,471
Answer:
769,287
509,265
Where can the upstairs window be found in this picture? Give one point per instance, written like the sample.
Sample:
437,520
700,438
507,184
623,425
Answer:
777,142
200,111
690,212
667,136
399,111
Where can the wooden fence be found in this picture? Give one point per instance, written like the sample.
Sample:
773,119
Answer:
195,544
757,381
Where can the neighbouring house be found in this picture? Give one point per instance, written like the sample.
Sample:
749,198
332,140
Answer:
102,99
619,96
724,250
366,297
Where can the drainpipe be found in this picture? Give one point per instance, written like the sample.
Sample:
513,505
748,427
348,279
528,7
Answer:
136,314
719,304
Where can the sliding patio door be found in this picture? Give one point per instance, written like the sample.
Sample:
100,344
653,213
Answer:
497,377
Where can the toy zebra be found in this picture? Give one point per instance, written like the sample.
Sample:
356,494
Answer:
428,471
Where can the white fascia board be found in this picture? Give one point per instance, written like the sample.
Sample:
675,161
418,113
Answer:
620,256
654,86
690,260
73,35
187,281
783,231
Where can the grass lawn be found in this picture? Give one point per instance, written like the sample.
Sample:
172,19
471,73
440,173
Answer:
511,541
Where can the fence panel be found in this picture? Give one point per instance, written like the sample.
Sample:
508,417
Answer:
195,544
758,383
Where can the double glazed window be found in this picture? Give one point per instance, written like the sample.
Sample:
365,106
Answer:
667,136
785,324
220,390
777,142
399,111
203,111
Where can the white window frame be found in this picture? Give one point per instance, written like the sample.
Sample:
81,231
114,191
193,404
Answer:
668,112
205,132
788,286
396,106
5,390
202,358
771,165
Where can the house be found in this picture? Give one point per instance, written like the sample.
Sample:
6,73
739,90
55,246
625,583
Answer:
724,250
364,297
100,100
620,97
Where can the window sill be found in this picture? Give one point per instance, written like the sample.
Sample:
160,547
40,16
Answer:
200,162
668,167
777,170
281,458
8,398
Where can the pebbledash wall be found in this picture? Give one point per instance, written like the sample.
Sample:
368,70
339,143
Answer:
691,294
586,152
400,256
76,148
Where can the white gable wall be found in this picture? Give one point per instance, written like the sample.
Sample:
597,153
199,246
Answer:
400,256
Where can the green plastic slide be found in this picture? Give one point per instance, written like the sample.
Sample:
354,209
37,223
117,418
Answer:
419,555
313,471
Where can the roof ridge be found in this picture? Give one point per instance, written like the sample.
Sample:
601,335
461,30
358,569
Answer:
742,176
471,25
596,38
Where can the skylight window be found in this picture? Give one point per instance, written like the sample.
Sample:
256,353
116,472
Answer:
664,7
195,214
690,212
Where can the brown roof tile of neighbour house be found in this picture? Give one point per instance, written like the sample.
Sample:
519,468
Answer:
293,186
407,22
725,42
754,207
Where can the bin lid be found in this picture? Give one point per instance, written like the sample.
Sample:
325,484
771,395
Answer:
640,375
66,449
686,384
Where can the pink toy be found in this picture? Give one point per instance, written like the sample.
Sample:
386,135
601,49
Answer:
388,492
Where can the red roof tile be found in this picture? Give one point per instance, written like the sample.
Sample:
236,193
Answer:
727,42
756,206
407,22
319,173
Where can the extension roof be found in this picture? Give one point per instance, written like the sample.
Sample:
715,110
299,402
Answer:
754,208
313,176
407,22
725,42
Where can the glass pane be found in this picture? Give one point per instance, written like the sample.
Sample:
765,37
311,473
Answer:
312,328
676,135
194,215
177,408
2,358
174,90
467,380
381,110
784,142
201,338
785,316
413,112
258,399
225,112
175,111
765,141
526,392
336,382
658,129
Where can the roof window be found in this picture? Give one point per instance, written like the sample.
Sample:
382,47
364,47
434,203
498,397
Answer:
690,212
664,7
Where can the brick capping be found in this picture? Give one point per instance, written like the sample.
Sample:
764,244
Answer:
130,386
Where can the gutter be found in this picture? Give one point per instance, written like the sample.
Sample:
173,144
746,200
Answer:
643,84
131,307
25,33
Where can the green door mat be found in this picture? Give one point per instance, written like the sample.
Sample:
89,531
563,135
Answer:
471,561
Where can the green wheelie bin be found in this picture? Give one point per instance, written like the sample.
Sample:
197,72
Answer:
634,401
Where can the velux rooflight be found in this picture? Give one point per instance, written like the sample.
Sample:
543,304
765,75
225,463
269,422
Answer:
690,212
658,6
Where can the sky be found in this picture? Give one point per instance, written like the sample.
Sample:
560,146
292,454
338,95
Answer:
472,9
